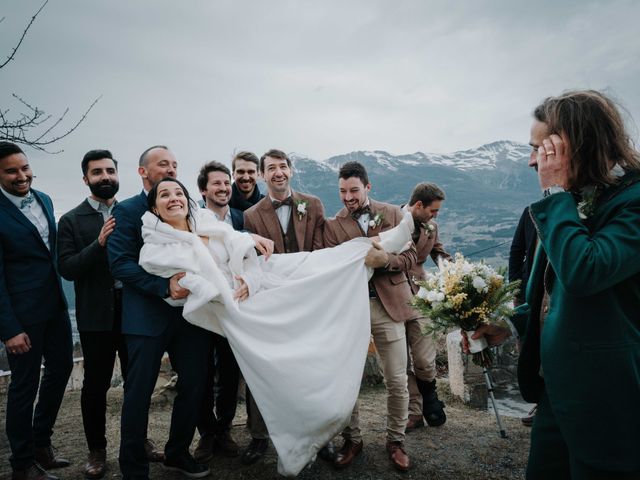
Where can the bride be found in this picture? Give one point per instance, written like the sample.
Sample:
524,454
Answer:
298,324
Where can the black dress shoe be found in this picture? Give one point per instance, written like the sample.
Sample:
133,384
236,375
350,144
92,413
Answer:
328,453
34,472
47,459
255,451
187,466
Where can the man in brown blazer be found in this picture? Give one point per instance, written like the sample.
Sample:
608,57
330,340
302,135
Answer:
295,222
424,205
390,294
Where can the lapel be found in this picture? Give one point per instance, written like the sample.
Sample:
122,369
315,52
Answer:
376,208
271,223
299,224
17,215
349,225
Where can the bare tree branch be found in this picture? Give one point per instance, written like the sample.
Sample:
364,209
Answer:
24,34
24,125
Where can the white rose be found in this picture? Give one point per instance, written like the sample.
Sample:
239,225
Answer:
479,284
467,268
372,223
439,296
301,208
422,293
432,296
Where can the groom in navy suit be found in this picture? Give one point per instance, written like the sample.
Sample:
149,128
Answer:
34,322
151,326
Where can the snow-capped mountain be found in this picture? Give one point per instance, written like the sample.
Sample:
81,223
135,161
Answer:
486,188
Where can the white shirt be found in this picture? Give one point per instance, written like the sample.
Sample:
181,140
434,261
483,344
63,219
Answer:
364,220
283,213
227,217
101,207
34,212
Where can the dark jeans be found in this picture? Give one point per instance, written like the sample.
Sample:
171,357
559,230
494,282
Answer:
28,429
188,347
550,458
221,391
99,350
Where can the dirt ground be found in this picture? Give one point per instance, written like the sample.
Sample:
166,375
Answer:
466,447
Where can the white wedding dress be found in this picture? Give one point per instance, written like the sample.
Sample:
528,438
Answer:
301,337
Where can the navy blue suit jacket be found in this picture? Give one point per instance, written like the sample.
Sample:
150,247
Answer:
30,287
237,218
144,312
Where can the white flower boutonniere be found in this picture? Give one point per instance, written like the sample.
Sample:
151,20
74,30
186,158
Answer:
376,220
587,206
301,208
429,228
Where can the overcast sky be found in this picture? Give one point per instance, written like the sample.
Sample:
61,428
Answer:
318,78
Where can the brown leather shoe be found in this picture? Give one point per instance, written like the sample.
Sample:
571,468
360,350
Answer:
398,456
48,460
347,453
204,451
153,454
415,422
34,472
528,420
226,444
96,465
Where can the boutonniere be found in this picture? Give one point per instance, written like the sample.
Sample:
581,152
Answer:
429,228
301,208
587,206
376,220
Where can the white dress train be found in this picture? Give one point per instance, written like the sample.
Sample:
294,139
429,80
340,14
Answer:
300,338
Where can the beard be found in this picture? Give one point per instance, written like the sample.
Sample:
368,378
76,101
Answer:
105,190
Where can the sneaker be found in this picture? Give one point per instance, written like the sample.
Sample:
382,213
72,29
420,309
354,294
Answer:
187,466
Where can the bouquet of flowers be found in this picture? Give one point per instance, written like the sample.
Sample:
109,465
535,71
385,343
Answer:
466,295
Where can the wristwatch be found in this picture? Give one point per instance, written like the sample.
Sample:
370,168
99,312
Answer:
551,190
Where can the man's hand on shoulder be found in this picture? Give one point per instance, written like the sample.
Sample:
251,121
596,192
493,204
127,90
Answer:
18,344
376,256
176,292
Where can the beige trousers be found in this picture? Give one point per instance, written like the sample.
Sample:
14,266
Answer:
421,361
390,340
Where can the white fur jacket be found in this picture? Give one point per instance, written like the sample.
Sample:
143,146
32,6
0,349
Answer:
167,251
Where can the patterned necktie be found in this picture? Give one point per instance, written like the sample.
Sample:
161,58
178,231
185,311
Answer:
277,204
361,211
27,201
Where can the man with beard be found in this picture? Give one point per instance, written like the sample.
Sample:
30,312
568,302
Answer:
214,182
82,258
245,192
34,321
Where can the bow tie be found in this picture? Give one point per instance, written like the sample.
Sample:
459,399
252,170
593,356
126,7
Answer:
26,201
277,204
361,211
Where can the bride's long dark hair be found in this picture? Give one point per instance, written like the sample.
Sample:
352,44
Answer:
191,204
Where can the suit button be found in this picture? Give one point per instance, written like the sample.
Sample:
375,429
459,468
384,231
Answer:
545,309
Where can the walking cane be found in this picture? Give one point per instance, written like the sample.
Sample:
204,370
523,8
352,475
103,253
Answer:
487,379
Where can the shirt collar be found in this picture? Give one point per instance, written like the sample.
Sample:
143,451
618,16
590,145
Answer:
16,200
276,200
96,204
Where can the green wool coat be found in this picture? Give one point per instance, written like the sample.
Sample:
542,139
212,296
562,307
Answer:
590,343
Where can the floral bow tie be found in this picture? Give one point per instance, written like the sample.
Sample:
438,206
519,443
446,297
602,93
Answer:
27,201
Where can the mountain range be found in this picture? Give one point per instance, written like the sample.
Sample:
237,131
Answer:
486,188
